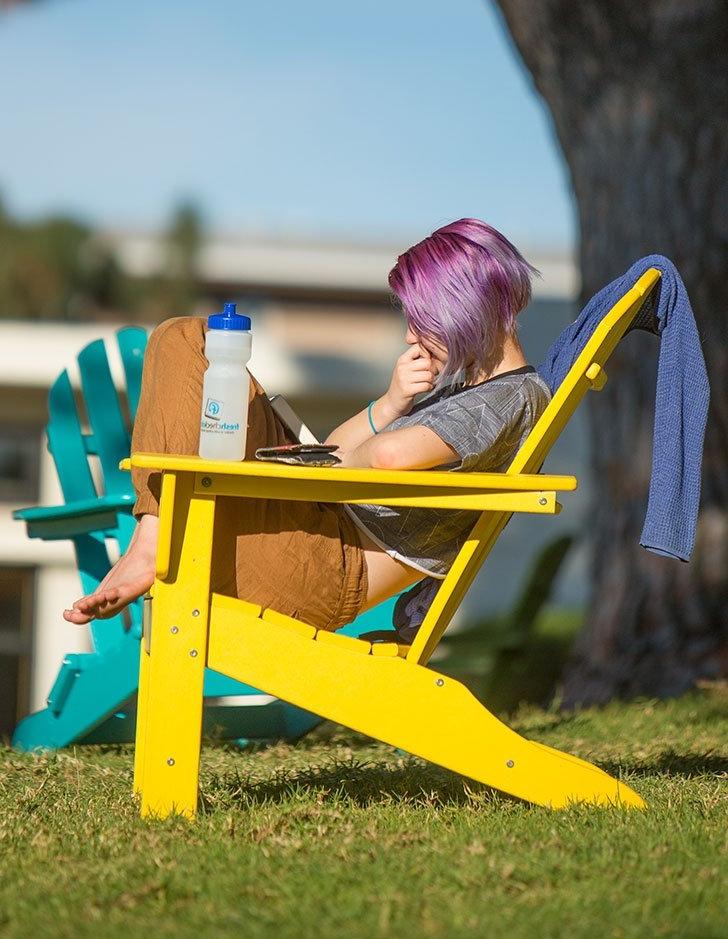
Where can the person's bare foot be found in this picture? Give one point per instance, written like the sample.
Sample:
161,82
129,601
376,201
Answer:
129,578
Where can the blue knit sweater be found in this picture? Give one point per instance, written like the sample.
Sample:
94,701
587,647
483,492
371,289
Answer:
681,402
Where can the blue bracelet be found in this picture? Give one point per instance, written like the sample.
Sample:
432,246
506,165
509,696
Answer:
369,412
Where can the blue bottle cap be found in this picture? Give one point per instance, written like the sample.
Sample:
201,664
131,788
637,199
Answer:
228,319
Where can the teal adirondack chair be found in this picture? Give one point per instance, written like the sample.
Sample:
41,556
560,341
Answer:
93,697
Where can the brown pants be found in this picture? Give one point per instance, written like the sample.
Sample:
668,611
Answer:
300,558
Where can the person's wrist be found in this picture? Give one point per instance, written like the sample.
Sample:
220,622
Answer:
385,411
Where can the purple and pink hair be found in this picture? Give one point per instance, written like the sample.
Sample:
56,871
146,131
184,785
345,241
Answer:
463,286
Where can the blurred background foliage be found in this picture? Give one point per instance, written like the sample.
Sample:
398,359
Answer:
62,268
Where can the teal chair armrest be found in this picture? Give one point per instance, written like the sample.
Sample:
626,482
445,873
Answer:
55,522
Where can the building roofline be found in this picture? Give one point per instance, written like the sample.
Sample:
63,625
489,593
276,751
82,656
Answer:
310,265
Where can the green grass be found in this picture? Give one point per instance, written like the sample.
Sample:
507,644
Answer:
338,836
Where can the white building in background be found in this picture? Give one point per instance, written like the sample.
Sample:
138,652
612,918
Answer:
325,334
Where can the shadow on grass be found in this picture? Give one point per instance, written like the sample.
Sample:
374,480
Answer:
365,784
360,783
670,763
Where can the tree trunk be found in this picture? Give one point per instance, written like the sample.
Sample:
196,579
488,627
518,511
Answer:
638,93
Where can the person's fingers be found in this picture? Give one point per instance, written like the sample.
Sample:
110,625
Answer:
425,368
411,353
415,351
422,361
420,377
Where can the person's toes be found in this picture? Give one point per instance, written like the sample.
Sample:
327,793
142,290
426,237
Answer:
75,617
104,603
109,598
89,603
113,601
86,606
107,609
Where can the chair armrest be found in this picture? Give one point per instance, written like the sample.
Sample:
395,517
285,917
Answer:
520,492
496,492
73,509
57,522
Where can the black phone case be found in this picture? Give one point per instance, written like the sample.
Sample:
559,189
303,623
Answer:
300,454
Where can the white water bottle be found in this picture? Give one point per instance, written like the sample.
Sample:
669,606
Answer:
225,389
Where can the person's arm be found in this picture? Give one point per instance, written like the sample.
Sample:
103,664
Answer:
357,429
413,373
413,447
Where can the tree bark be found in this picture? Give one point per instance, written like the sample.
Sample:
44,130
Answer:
638,93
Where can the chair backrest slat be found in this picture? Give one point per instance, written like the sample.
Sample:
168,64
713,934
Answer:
66,442
111,436
585,373
132,342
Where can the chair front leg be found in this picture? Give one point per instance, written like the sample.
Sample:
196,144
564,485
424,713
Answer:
173,656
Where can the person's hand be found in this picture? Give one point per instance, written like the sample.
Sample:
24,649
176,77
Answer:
414,372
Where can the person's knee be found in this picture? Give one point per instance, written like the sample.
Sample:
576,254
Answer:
177,331
179,326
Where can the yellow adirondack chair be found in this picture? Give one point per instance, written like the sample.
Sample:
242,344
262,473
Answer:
384,690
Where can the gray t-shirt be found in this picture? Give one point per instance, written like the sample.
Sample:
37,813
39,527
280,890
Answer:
485,424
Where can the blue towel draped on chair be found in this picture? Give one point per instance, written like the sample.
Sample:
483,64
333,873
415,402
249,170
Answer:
681,402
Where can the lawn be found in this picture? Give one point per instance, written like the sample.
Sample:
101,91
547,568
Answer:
338,836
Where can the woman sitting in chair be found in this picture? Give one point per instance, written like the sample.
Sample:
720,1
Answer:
460,291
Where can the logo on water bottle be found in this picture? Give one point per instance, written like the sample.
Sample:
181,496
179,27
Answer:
213,408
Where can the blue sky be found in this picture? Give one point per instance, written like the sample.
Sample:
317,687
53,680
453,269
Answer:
378,120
